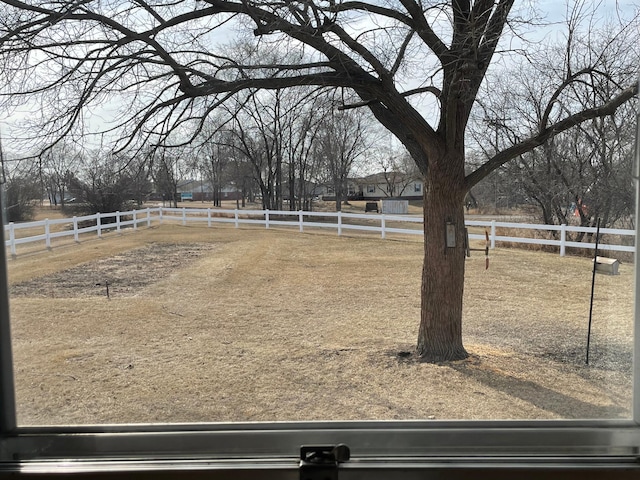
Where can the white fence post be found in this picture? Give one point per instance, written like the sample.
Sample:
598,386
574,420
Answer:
382,226
339,222
208,217
148,217
184,216
47,238
12,238
75,230
135,220
118,221
99,224
160,214
266,218
235,215
563,239
301,220
493,234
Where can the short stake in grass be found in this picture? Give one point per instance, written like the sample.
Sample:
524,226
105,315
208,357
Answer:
106,284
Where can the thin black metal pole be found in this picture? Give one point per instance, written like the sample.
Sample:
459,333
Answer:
593,285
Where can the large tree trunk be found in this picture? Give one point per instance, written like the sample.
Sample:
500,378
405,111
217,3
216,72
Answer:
440,334
338,193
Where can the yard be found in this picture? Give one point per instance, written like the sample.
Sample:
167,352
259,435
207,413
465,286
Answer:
222,324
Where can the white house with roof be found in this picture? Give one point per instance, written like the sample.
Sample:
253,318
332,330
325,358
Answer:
198,190
380,186
391,185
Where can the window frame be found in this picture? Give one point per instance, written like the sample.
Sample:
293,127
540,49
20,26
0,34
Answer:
266,450
378,448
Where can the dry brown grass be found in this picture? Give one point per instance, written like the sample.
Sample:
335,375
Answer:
277,325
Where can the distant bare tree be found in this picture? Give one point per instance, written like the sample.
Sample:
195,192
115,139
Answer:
585,168
342,139
399,172
581,175
56,167
211,158
168,166
109,183
20,188
300,134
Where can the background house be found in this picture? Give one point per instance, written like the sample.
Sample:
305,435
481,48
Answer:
199,190
390,185
378,186
327,192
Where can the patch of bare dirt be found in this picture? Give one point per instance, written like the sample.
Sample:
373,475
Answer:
124,274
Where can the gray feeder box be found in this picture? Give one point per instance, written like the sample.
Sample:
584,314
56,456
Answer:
608,266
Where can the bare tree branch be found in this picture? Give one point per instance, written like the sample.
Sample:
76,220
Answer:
530,143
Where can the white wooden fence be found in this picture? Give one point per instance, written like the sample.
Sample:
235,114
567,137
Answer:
74,227
341,222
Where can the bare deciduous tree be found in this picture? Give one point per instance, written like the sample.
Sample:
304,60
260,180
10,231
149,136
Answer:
20,188
108,183
588,164
55,169
342,139
399,172
168,166
164,60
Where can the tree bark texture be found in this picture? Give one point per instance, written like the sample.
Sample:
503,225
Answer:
440,333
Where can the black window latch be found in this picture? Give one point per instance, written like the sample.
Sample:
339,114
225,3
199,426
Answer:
321,462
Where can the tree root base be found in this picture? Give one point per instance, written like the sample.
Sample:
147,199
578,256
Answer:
452,355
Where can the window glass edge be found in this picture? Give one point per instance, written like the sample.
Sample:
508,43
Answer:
7,393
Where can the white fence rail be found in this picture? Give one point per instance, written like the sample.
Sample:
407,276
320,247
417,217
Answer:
339,221
73,227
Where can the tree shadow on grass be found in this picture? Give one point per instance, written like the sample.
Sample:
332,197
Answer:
542,397
606,356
